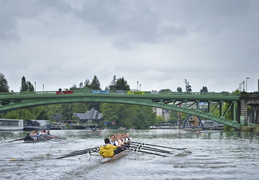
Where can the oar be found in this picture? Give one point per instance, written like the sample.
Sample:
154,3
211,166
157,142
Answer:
149,148
158,146
138,150
80,152
16,140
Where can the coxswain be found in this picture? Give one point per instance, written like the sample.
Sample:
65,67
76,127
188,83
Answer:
108,149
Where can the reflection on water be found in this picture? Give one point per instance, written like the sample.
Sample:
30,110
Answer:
209,155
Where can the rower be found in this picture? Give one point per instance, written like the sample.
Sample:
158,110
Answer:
108,149
127,139
114,140
28,138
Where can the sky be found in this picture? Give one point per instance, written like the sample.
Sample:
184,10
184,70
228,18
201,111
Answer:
152,44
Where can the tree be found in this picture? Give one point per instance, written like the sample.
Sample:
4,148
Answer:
87,84
174,116
188,86
74,87
81,85
179,89
3,84
113,83
123,115
204,89
30,86
119,84
165,91
122,84
26,85
95,84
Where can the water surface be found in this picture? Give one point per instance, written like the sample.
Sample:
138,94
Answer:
209,155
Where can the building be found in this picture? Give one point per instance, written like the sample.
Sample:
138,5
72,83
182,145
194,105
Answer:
209,124
192,123
11,124
90,118
165,113
36,124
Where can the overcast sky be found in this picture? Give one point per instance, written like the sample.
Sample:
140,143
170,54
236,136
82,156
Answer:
158,43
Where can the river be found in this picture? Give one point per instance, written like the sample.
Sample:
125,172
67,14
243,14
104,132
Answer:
209,155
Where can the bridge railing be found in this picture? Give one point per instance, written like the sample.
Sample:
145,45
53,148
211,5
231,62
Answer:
153,92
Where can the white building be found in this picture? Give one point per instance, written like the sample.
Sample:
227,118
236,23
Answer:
165,113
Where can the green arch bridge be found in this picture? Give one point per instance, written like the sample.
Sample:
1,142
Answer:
176,101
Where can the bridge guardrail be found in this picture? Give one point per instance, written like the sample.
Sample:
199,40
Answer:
86,91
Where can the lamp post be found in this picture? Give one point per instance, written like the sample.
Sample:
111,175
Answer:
243,85
35,86
137,85
140,87
246,82
43,87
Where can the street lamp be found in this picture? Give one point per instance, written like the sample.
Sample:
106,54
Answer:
246,82
35,86
137,85
140,87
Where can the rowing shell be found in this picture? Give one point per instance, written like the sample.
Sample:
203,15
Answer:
116,156
41,140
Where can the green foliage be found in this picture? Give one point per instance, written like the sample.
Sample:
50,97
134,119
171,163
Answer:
3,84
95,84
113,84
129,116
122,84
179,89
165,91
188,86
87,84
204,89
160,119
173,116
118,84
26,85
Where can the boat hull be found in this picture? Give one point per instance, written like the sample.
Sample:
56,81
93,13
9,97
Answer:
116,156
41,140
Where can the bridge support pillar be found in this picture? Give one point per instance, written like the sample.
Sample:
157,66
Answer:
243,112
254,115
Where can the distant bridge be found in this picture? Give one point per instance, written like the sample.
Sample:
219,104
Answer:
182,102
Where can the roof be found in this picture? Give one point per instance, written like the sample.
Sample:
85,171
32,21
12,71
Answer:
89,115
